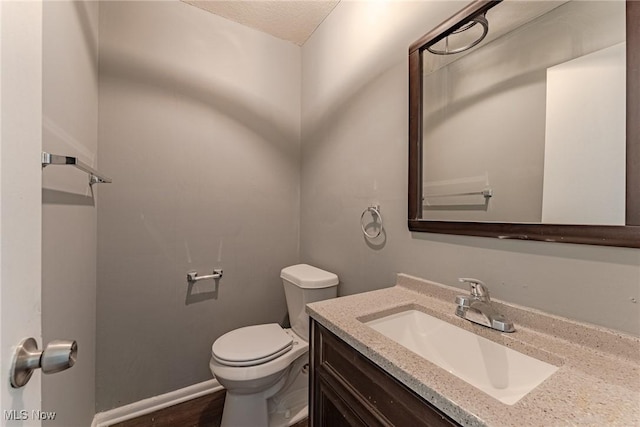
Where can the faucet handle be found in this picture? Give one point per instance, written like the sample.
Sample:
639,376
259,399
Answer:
478,289
463,301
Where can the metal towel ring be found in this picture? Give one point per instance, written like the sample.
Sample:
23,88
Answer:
478,19
375,210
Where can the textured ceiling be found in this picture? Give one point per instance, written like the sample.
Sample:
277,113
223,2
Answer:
292,20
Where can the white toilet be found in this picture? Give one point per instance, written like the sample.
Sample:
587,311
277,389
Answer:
265,367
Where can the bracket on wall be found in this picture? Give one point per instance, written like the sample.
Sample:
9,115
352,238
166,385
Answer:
95,177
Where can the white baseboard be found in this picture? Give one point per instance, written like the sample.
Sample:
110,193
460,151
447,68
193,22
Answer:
152,404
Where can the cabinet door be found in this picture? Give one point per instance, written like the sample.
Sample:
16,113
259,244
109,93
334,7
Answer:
334,411
344,380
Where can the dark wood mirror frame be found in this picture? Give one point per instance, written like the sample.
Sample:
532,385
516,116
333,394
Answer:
623,236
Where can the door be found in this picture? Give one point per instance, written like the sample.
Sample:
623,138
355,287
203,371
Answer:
20,200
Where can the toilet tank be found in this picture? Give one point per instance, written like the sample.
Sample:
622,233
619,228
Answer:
304,284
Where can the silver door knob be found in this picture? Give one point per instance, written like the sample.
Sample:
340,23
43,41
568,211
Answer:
57,356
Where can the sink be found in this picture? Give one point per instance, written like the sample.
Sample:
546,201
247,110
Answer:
499,371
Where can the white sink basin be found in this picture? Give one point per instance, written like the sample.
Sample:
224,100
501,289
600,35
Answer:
495,369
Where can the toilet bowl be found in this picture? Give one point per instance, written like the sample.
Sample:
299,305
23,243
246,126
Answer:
264,368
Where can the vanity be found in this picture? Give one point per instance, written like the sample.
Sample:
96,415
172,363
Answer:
362,377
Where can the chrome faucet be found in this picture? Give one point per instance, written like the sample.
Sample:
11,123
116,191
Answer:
477,307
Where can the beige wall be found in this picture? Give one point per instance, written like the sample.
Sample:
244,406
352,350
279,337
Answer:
69,214
199,126
354,152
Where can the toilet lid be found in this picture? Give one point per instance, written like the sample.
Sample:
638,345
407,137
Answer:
251,345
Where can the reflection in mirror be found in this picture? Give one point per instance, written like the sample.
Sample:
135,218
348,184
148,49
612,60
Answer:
533,133
529,126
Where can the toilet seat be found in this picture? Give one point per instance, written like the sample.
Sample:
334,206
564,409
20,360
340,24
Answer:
251,345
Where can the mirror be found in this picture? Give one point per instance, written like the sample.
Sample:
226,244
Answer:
517,123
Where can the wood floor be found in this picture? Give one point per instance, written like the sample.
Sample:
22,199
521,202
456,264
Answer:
205,411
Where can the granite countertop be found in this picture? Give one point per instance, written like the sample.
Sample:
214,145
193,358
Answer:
597,383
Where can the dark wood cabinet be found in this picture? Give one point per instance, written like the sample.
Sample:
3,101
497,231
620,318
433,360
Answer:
347,389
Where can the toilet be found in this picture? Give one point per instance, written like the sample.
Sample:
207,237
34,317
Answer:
265,367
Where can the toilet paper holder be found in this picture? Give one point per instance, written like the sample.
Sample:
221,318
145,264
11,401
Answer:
57,356
192,276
